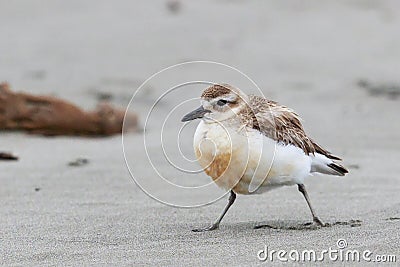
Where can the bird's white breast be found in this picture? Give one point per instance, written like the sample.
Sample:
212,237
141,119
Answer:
245,160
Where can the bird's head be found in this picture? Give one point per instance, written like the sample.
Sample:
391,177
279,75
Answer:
219,102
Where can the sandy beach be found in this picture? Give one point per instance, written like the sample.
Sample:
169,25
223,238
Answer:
312,56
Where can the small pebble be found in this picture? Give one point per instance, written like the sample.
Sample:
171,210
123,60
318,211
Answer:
78,162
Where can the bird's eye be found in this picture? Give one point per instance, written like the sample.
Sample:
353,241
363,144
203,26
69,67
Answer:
221,102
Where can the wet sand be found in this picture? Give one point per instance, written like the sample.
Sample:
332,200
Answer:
310,57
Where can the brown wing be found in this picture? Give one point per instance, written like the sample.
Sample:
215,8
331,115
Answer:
283,125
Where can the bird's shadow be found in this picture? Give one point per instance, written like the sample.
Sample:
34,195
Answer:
296,225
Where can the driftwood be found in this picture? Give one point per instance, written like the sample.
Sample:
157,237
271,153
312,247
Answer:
47,115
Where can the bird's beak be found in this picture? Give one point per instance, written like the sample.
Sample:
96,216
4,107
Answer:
195,114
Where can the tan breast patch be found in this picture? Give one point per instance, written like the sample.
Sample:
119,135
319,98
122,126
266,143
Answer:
219,165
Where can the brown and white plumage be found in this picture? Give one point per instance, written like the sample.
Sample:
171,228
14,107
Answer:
283,125
249,144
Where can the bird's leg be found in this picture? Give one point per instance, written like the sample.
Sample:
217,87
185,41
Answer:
215,225
316,220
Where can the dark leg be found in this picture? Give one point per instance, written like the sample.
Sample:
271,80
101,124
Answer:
302,189
215,225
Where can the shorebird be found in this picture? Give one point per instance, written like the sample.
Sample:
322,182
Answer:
249,145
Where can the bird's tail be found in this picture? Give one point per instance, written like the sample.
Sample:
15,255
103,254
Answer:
323,164
338,168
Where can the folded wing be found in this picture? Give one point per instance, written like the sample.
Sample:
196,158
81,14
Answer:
282,124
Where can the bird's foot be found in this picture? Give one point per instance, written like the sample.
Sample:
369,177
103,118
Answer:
318,222
209,228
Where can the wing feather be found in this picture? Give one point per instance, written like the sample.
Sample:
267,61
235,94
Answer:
281,124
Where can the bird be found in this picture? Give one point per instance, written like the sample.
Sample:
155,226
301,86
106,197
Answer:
250,145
